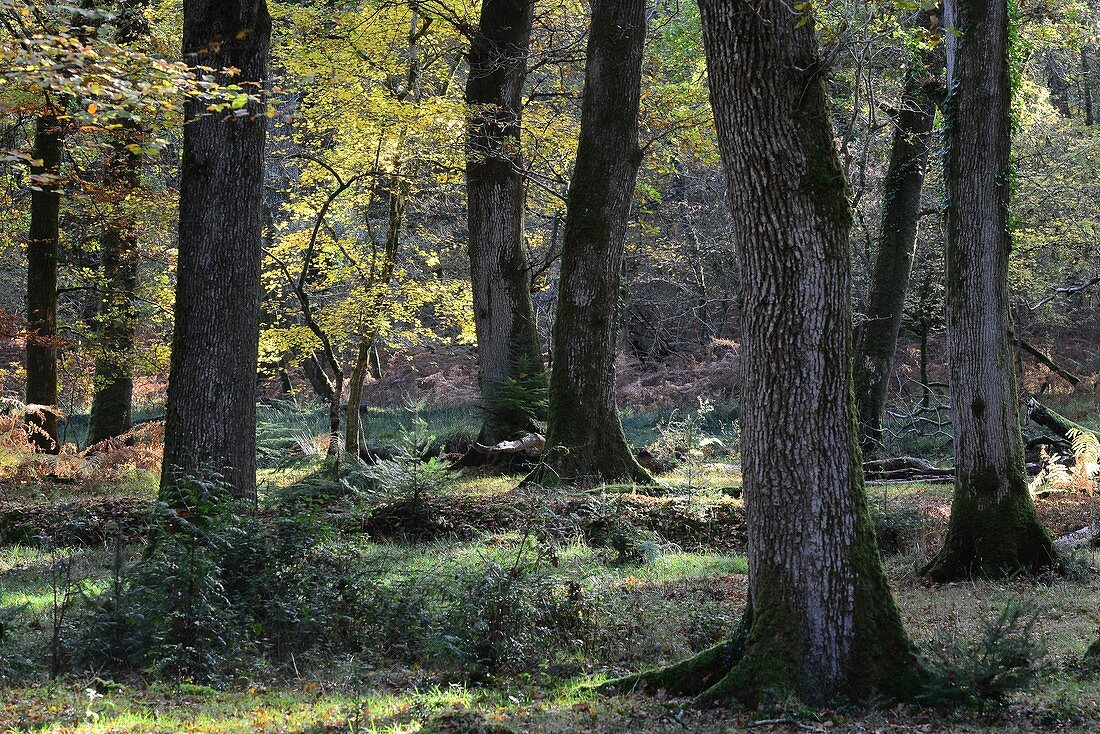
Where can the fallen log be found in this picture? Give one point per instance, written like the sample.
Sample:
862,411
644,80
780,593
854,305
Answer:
1058,424
1078,538
905,468
1045,359
528,445
1076,456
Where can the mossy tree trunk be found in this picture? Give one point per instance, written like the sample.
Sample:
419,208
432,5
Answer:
585,440
114,385
993,530
42,245
211,412
876,338
822,624
509,353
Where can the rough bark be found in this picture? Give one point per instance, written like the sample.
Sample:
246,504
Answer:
823,625
585,440
210,420
876,338
509,353
42,283
113,398
993,530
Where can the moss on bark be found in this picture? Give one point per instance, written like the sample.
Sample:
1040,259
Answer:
994,531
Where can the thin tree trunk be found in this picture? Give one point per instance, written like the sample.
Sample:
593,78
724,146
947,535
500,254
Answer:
352,437
377,287
315,374
1089,75
993,530
509,353
211,413
694,254
585,440
876,339
821,624
42,283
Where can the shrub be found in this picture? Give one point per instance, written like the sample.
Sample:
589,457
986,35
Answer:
896,527
407,479
1003,659
218,587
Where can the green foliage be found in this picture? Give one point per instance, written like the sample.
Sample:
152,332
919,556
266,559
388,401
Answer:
520,403
217,589
288,433
408,478
622,541
1002,660
895,526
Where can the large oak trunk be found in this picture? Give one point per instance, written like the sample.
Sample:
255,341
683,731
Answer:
211,413
993,529
877,337
42,283
821,623
585,440
510,368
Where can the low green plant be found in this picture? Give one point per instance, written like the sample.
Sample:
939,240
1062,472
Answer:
1003,659
408,478
219,588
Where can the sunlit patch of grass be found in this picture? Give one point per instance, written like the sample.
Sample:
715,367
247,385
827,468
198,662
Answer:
26,576
1067,621
488,486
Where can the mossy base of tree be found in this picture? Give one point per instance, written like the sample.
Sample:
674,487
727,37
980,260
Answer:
564,466
759,664
993,542
691,677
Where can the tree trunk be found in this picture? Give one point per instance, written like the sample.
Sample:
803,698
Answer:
114,384
42,284
509,354
211,413
585,440
315,374
693,252
1058,84
822,624
352,437
993,530
1089,74
377,287
113,398
876,339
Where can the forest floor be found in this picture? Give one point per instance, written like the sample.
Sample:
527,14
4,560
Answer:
578,585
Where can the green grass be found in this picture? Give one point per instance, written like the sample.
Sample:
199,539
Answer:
638,615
